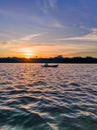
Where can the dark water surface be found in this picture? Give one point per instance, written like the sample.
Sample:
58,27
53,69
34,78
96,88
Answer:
35,98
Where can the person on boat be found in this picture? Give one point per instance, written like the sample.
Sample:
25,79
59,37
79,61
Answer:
46,64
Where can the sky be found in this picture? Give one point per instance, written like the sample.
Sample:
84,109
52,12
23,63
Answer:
48,28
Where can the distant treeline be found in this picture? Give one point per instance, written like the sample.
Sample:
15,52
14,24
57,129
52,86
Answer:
58,59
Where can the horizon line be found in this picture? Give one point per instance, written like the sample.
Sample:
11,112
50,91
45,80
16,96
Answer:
59,56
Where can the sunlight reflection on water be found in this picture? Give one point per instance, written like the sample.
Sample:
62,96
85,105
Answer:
36,98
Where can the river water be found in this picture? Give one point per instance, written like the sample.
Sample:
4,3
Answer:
37,98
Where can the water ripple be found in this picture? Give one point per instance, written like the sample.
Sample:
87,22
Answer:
35,98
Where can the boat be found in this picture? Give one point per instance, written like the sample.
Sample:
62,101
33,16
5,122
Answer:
46,65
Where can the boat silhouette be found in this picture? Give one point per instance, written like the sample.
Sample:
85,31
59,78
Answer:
46,65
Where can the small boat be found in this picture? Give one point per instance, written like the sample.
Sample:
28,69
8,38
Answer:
46,65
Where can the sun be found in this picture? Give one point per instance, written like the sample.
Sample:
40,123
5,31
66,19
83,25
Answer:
28,55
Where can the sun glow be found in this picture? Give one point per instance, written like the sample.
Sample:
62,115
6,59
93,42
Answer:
27,53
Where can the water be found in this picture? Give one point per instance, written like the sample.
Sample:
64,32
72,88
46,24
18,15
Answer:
36,98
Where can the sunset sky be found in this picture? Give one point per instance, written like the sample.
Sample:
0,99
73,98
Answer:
45,28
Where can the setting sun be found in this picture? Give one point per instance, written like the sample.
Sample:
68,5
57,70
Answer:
28,55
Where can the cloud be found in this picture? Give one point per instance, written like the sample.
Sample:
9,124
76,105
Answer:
26,38
4,43
26,41
52,3
29,37
92,36
56,24
48,5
